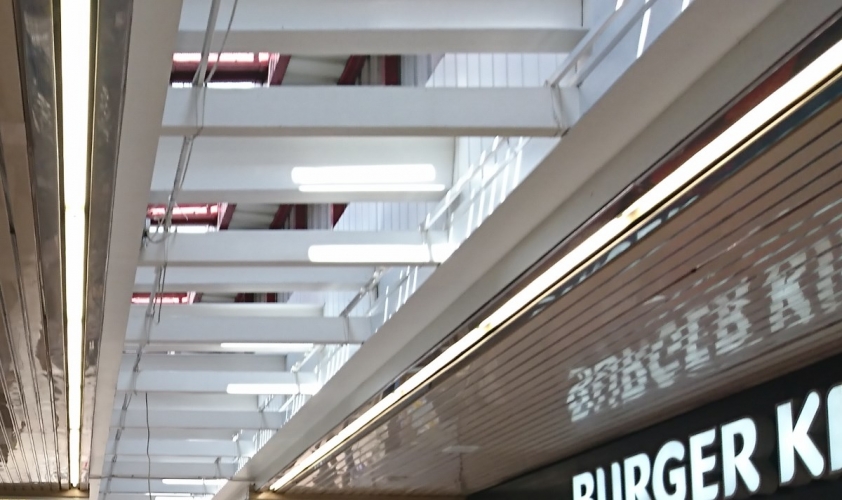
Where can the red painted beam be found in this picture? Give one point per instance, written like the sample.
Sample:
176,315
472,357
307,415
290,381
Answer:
336,211
278,65
163,298
392,70
353,70
232,67
225,216
299,217
281,216
185,214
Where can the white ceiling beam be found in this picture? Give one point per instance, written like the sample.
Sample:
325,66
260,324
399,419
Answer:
190,402
170,459
362,111
154,27
185,324
255,279
182,448
202,419
207,381
328,27
205,347
222,362
187,434
133,485
163,470
258,169
274,248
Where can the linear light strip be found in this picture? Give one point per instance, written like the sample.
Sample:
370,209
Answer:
75,106
372,188
819,70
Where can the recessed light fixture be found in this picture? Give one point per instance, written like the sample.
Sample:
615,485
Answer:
273,389
194,482
75,35
785,96
170,496
372,188
260,347
365,174
381,254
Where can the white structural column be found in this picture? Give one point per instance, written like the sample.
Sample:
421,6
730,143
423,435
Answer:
361,111
327,27
258,169
268,279
264,248
198,324
154,27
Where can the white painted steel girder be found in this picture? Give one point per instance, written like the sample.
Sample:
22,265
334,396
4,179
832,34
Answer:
207,380
258,169
274,248
329,27
267,279
362,111
185,324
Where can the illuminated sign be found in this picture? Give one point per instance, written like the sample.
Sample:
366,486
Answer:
740,458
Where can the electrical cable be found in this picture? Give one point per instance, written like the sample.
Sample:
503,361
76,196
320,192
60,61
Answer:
148,440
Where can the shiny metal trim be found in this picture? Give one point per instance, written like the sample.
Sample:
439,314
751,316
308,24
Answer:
111,62
38,43
33,362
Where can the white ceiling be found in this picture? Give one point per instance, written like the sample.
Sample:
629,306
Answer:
169,406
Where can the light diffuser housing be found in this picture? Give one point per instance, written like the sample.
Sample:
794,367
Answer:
75,35
380,254
308,389
365,174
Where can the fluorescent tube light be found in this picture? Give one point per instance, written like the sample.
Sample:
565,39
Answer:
372,188
266,347
820,69
171,496
194,482
380,254
365,174
75,34
273,389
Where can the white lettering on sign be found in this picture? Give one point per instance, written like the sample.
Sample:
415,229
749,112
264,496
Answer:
789,305
738,463
701,464
794,439
727,461
583,486
672,452
637,471
600,484
834,428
